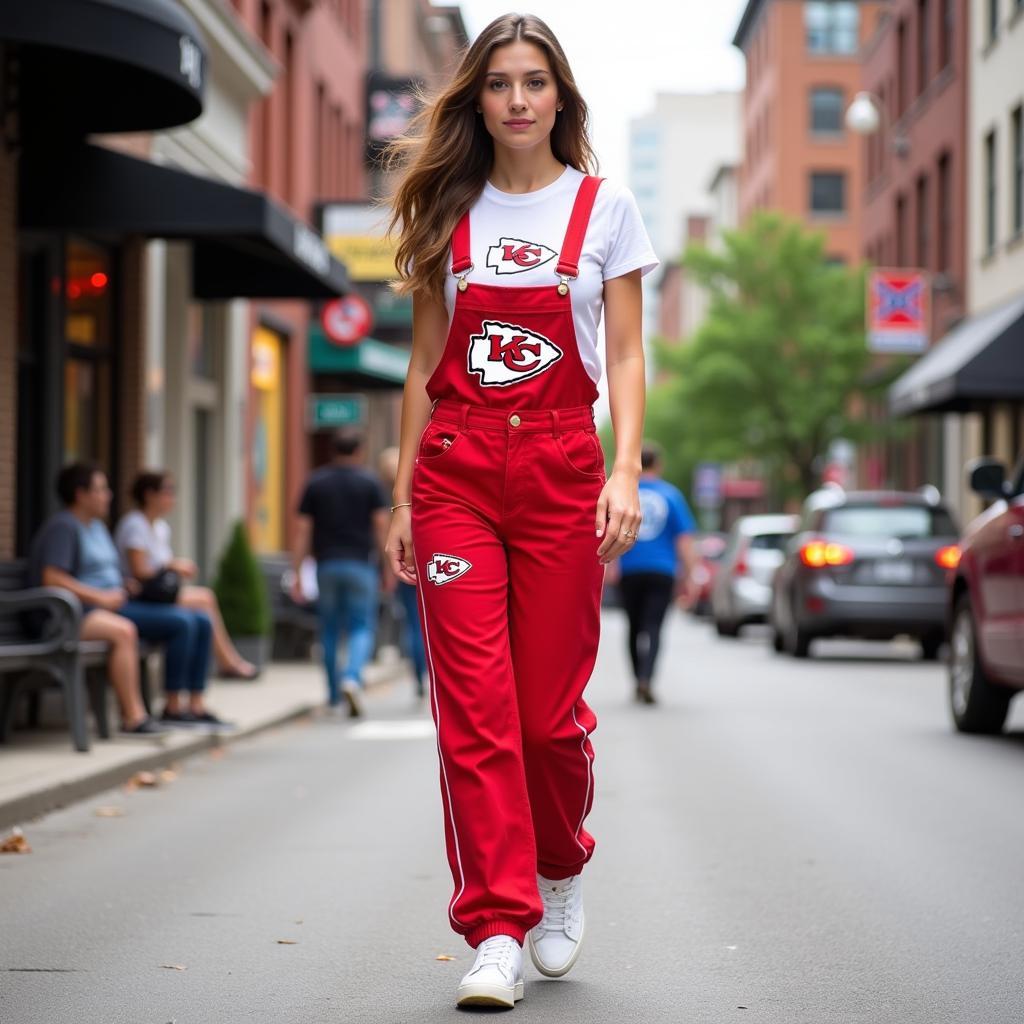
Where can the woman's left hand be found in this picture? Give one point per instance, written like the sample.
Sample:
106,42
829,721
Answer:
184,567
618,515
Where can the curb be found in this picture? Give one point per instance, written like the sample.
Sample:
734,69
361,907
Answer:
33,805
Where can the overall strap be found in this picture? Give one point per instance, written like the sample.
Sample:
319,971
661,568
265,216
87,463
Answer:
569,258
460,246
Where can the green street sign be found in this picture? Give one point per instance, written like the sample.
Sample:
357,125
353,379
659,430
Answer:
324,412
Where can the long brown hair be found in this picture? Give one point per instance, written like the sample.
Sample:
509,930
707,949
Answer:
448,152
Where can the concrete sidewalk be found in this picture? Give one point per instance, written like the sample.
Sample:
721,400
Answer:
41,771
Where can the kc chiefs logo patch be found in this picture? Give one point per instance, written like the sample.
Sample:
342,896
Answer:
443,569
513,256
505,354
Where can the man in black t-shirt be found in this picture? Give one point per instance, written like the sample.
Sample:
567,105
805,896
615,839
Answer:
343,522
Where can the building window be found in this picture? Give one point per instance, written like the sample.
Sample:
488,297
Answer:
902,68
89,353
993,20
1017,170
832,26
947,28
923,49
828,192
990,191
945,218
826,111
901,231
923,219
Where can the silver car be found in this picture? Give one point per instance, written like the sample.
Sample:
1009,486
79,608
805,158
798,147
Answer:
742,591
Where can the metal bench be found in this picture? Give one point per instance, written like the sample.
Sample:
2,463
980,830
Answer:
53,655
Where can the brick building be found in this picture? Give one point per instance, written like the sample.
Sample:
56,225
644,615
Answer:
803,69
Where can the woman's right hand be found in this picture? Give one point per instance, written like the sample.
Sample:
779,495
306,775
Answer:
399,546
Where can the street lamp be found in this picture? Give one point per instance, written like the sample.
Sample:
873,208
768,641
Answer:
864,117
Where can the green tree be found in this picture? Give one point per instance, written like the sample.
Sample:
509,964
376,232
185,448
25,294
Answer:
779,368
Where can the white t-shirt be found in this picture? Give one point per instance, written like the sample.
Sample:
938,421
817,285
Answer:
515,241
135,533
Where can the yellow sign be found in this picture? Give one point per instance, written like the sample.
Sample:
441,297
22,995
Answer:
268,441
367,258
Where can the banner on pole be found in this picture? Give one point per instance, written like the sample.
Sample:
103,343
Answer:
898,311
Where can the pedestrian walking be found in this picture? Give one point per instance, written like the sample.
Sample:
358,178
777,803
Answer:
343,522
649,573
411,632
143,537
512,250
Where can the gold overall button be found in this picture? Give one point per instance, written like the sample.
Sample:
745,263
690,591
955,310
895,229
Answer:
514,420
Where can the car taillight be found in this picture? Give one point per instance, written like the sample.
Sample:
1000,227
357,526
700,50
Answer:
818,553
740,568
948,557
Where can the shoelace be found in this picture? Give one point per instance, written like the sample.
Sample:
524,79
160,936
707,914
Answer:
556,907
494,952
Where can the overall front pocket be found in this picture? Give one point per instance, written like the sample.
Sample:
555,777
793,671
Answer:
438,440
581,452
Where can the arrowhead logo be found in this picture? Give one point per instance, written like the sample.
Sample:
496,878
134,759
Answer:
505,354
514,256
443,569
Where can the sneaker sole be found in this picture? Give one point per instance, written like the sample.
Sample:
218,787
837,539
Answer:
478,994
355,707
557,972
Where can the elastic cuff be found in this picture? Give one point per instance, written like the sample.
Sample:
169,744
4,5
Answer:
491,928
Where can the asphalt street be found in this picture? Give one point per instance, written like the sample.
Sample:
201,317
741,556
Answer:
778,841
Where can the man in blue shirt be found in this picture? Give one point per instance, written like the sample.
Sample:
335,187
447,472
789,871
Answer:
649,570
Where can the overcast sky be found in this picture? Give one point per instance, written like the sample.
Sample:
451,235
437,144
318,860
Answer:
623,53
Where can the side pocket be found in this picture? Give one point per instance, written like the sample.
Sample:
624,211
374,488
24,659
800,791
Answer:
438,440
581,452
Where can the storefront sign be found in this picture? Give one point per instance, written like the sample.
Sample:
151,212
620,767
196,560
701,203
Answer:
390,105
898,311
347,320
308,248
355,234
325,412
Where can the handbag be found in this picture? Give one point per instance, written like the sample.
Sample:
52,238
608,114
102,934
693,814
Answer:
162,588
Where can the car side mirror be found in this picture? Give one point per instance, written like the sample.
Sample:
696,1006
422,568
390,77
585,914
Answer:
987,478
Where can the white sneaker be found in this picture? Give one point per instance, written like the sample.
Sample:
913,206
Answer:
352,692
496,979
556,942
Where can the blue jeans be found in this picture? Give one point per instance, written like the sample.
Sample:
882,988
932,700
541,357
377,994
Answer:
409,597
186,636
349,591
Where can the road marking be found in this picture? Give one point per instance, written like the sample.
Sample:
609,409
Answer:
400,729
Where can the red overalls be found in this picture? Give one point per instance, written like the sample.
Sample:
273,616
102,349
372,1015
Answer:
504,494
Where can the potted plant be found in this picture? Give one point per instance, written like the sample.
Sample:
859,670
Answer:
242,595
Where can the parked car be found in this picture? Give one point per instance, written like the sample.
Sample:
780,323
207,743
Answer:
869,564
986,606
742,589
710,548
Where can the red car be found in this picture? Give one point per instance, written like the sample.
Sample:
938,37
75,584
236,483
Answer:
710,548
986,660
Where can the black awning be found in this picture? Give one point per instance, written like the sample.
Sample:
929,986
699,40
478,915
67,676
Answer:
979,362
244,244
104,65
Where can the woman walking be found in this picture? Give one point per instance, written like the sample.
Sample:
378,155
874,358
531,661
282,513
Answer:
512,251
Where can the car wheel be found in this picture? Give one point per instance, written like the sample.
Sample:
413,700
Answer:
977,705
797,641
931,644
778,641
726,628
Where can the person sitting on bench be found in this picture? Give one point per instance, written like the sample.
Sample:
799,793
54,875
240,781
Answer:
74,550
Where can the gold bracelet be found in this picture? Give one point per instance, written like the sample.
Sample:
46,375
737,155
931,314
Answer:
404,504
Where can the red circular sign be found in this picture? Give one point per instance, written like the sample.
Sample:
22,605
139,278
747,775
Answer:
347,320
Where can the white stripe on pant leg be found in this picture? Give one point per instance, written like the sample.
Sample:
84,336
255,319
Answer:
440,756
590,779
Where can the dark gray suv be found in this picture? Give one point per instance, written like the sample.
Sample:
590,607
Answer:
870,564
